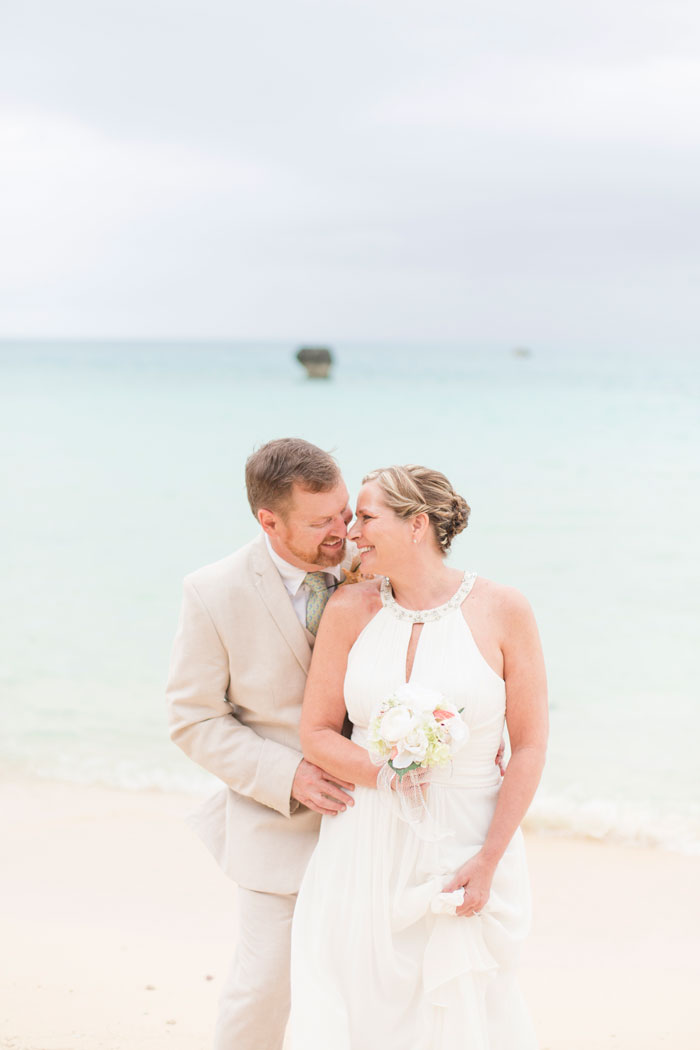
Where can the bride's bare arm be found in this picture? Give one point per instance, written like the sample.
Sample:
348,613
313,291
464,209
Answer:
323,711
527,721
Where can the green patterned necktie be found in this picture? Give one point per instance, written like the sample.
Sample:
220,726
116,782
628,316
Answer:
316,602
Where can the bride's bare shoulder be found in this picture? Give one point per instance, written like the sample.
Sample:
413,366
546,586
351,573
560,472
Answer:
500,599
361,597
350,609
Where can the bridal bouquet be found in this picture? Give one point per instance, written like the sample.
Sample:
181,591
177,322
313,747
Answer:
410,733
415,728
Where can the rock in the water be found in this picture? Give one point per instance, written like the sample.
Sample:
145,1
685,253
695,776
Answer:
522,351
317,361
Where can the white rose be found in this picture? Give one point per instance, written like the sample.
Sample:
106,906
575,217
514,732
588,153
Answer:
419,697
395,724
413,748
403,760
416,743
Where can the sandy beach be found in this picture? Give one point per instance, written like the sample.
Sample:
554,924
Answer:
117,928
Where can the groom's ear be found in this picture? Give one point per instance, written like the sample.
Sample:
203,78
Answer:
268,520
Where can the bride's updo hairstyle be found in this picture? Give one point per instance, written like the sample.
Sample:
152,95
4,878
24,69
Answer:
412,490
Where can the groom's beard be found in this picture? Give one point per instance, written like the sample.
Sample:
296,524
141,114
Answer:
320,555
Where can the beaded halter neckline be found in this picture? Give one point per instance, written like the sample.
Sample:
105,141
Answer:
426,615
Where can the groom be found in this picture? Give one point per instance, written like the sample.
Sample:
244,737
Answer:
237,676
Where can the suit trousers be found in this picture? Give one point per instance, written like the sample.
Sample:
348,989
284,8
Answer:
255,999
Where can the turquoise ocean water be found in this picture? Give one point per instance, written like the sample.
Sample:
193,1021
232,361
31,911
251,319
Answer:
122,470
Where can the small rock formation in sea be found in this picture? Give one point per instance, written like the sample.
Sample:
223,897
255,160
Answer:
317,361
522,351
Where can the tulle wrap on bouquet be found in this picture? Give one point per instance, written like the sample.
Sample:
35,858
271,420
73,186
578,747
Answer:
409,798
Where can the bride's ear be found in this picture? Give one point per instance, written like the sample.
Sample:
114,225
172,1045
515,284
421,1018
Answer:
419,527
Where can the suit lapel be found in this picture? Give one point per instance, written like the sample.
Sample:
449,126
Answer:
274,594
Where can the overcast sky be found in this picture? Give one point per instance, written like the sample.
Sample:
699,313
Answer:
374,169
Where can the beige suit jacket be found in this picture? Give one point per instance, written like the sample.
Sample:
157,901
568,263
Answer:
234,693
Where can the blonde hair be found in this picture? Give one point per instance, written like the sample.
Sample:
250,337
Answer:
411,490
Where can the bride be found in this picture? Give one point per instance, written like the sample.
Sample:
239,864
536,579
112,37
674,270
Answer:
407,929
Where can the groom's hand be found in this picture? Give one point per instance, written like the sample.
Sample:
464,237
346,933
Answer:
320,791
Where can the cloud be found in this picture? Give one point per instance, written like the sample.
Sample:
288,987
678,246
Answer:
366,169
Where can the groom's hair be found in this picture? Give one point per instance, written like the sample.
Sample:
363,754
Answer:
272,471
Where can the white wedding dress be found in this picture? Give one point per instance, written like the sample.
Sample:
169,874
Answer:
375,964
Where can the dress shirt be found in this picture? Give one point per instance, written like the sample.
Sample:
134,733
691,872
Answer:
293,580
